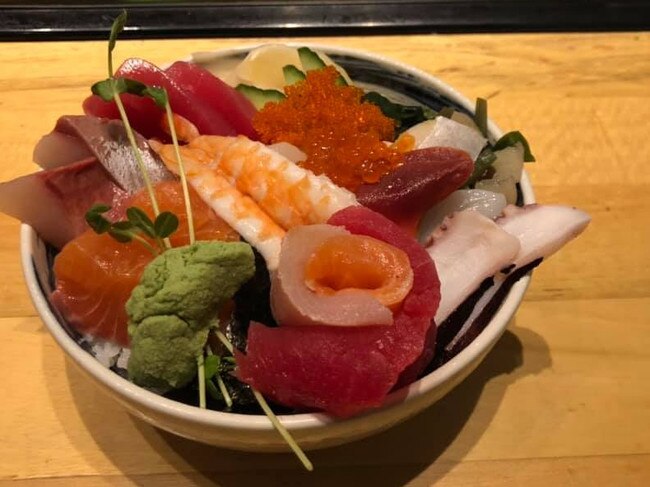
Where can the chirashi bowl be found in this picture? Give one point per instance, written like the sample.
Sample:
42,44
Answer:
311,430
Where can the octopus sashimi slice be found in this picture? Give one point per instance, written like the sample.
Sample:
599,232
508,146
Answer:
346,370
467,249
541,230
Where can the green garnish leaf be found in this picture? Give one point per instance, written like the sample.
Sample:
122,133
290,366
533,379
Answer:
166,223
405,116
121,231
96,220
212,390
158,95
483,162
116,30
513,138
103,89
141,220
131,86
212,365
481,115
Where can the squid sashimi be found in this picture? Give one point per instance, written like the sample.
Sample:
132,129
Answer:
324,267
96,274
289,194
345,370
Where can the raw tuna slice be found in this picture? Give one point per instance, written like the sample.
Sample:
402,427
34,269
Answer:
147,117
144,116
344,371
54,202
222,98
427,177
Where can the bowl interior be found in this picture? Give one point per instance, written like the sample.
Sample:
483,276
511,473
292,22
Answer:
397,81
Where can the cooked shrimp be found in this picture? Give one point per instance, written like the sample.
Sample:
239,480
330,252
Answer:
238,210
291,195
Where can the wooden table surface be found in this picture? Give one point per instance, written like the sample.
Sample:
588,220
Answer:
563,399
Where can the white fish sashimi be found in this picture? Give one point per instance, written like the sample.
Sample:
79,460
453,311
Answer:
443,132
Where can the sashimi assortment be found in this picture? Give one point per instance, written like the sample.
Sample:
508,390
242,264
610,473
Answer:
278,232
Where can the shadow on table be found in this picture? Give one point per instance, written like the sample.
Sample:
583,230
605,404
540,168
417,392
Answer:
452,425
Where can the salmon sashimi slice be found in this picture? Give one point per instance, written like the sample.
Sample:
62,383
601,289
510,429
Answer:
237,209
363,264
304,296
95,274
94,278
290,194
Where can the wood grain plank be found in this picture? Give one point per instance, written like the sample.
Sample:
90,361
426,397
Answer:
554,386
628,470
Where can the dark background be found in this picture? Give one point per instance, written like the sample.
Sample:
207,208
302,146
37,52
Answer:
50,20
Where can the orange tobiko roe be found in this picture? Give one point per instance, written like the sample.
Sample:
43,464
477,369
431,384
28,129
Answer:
341,135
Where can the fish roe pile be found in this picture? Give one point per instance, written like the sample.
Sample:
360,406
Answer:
341,135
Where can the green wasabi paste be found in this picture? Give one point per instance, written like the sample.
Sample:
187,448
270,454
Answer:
171,309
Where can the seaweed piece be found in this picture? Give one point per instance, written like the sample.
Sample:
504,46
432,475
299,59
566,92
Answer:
482,165
405,116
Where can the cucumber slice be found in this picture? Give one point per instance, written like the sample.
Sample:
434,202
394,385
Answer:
292,75
309,59
259,97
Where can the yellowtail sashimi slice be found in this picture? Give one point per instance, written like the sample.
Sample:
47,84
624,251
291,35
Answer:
290,194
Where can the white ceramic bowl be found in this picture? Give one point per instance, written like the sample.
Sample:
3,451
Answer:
255,433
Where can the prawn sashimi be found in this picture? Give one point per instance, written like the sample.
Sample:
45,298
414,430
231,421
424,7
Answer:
96,274
345,370
238,210
289,194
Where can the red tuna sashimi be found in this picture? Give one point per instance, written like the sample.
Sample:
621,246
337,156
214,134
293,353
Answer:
55,201
222,98
147,117
344,371
427,177
144,116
